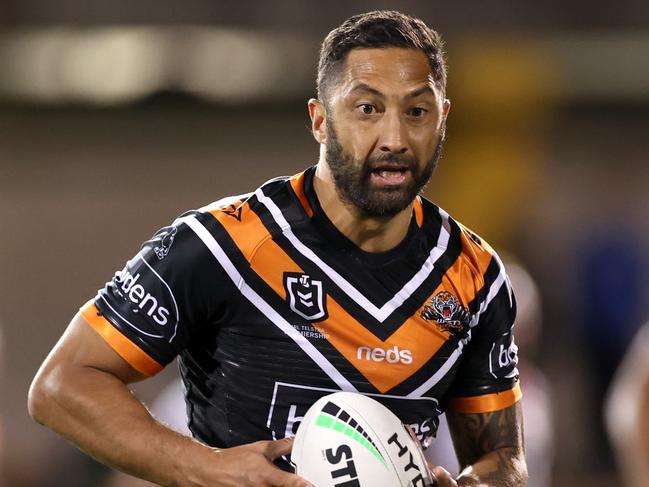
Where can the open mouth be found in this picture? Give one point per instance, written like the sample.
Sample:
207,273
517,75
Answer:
390,175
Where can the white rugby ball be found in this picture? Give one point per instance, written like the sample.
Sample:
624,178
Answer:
350,440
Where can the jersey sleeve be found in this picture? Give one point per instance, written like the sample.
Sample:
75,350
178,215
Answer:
487,379
149,310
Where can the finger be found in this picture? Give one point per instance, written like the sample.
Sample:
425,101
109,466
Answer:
277,448
279,478
443,478
412,434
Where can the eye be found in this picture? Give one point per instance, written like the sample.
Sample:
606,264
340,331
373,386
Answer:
367,109
417,112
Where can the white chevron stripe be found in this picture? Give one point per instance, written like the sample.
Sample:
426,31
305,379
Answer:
263,306
441,372
398,299
493,290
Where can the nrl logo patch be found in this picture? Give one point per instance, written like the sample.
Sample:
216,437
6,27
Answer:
447,311
305,296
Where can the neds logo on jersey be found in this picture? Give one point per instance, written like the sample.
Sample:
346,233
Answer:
151,304
391,355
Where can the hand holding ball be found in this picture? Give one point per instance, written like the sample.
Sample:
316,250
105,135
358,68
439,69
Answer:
350,440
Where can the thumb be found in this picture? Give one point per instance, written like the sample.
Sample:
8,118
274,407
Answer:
277,448
443,478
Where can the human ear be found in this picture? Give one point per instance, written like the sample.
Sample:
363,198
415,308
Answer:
318,114
446,107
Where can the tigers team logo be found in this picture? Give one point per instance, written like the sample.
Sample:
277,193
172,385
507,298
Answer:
447,311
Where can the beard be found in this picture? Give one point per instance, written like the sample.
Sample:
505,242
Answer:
352,178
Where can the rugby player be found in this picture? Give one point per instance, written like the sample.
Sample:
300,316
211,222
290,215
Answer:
340,277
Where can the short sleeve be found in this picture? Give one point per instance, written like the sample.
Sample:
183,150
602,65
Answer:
487,379
149,310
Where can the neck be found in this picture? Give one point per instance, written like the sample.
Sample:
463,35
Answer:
368,233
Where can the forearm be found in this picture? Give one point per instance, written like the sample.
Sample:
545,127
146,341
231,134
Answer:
489,447
504,467
81,393
97,412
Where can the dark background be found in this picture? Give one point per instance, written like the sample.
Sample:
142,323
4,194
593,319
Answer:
115,117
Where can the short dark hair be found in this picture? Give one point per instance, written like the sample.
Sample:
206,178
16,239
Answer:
379,29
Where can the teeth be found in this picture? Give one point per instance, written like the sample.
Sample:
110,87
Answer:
390,174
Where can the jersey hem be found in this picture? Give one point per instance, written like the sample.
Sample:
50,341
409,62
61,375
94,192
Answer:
487,403
125,348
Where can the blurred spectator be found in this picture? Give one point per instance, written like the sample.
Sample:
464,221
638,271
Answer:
537,414
627,412
612,282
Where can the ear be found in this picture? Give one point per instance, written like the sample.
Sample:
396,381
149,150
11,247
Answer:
318,115
446,107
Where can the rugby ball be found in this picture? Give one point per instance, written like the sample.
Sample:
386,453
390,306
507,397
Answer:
350,440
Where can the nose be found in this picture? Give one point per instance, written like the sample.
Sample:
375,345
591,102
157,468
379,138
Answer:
393,136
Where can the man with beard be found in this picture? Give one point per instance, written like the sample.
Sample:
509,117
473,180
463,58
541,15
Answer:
338,278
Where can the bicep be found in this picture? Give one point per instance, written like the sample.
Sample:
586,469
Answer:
477,434
80,369
81,346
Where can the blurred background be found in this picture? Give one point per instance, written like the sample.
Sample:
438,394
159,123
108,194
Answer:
117,116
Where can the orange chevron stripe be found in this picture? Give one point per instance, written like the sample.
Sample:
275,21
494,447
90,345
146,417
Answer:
266,258
422,338
463,279
466,276
347,335
418,209
297,183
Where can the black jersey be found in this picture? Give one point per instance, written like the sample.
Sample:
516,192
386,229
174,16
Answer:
268,307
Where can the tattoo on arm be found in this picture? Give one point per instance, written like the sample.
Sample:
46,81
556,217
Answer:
496,438
475,435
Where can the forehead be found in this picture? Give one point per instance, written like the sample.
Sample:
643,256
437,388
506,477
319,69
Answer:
386,68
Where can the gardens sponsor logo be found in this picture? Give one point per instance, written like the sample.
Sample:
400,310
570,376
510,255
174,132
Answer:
139,296
142,300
